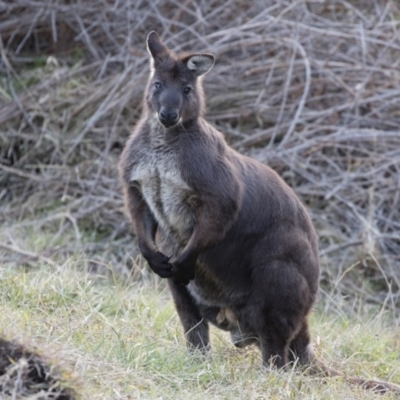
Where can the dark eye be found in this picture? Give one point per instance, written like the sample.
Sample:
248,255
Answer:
157,85
187,90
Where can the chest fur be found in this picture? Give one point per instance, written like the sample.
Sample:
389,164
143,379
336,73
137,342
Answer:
168,196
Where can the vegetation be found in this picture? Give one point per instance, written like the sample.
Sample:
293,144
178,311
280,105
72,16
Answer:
311,88
121,339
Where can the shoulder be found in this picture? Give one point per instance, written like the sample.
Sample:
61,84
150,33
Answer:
207,162
135,149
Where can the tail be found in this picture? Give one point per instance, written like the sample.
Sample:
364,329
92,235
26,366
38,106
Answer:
319,368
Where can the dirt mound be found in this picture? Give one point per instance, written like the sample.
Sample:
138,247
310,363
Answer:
24,374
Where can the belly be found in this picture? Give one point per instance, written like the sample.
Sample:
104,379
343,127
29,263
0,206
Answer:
210,290
206,296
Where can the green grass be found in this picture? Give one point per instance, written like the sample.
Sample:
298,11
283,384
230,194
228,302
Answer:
117,339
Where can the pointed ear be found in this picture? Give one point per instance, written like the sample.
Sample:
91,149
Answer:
200,64
155,46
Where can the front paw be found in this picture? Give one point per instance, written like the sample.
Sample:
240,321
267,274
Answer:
159,263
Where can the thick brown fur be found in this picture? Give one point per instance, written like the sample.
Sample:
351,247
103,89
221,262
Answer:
236,243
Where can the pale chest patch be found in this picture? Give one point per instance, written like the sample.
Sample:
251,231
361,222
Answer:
168,196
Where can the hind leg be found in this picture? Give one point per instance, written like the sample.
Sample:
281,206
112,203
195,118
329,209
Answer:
274,346
273,330
280,301
300,347
194,325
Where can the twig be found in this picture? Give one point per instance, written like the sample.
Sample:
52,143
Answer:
27,253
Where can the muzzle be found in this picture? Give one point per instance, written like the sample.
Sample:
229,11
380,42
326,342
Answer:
168,117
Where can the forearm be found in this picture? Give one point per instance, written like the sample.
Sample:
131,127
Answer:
145,226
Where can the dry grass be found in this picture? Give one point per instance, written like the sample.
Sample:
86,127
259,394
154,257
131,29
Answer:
312,88
118,339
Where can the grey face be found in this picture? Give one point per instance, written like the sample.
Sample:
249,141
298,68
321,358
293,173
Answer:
173,91
170,98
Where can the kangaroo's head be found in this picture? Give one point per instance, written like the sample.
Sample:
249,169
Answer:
174,92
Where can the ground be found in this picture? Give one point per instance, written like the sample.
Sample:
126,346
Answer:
115,338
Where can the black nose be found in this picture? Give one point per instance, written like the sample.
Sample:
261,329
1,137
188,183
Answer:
168,118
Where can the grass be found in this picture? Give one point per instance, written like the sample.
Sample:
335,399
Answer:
121,339
114,337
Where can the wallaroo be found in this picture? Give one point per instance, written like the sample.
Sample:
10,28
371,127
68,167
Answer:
236,244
